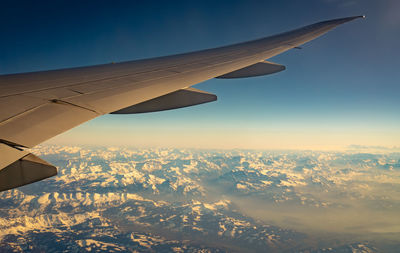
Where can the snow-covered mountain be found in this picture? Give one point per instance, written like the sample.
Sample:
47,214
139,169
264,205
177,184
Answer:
175,200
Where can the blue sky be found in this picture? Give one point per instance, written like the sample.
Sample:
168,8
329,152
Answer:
340,89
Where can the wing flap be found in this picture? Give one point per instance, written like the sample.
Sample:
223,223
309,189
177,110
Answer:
258,69
177,99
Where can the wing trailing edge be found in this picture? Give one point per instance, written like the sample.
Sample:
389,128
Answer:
177,99
259,69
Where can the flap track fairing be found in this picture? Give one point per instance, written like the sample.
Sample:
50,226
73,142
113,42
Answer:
259,69
28,169
177,99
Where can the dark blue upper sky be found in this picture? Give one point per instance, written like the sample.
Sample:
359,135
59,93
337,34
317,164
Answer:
340,89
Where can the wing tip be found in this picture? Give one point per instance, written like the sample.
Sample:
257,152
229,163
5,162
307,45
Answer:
338,21
344,20
353,18
359,16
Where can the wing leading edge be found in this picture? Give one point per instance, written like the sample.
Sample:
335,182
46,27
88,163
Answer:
35,107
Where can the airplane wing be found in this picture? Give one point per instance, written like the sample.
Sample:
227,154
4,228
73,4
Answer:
36,106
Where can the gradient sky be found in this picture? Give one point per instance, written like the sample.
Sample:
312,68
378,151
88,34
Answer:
340,89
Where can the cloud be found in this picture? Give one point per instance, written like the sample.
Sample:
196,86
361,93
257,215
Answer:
373,148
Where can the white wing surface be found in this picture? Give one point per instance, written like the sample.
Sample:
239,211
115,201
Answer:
34,107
